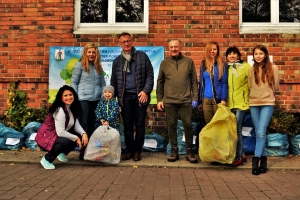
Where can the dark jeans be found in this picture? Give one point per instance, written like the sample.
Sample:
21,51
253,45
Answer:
87,118
61,145
239,120
185,111
133,114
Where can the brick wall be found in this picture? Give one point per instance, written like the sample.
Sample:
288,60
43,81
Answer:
29,27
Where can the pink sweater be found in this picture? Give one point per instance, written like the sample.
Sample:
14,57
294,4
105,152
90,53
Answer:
262,94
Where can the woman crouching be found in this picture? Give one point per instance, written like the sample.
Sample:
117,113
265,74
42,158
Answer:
62,119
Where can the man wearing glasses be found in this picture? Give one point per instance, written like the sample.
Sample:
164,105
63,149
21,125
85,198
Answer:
133,79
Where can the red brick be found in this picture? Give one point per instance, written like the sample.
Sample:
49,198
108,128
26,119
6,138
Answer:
194,22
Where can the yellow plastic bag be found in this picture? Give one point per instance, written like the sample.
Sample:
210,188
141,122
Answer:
218,139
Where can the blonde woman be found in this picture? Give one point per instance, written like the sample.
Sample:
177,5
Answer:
213,81
88,82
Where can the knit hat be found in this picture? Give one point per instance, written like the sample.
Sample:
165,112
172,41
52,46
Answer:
109,88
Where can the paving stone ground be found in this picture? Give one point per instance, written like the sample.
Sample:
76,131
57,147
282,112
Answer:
153,178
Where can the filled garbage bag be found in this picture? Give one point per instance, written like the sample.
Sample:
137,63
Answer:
10,139
294,142
277,144
104,146
30,131
248,120
249,143
277,140
180,135
154,142
218,138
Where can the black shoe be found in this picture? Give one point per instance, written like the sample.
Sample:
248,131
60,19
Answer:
137,156
255,169
81,155
126,156
263,164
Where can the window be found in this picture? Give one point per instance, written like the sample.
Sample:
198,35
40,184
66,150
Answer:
111,16
269,16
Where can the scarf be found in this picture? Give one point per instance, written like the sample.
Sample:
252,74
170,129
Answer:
236,63
128,58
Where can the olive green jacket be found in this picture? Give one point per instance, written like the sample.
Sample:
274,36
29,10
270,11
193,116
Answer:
177,81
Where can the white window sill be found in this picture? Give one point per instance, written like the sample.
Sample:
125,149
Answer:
269,29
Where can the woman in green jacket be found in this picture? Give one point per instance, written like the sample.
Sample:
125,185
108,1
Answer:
238,95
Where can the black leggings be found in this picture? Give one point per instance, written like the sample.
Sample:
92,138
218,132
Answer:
61,145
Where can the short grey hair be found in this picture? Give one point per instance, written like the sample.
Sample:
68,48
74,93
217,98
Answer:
176,40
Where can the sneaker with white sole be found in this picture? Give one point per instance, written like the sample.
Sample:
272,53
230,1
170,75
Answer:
46,164
62,157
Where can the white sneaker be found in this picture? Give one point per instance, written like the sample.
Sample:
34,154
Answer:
62,157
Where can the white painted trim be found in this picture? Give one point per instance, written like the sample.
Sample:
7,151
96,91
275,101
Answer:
273,27
111,27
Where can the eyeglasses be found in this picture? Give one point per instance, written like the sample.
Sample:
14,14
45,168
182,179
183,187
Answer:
126,41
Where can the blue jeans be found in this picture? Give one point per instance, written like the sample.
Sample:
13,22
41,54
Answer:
240,145
133,115
261,116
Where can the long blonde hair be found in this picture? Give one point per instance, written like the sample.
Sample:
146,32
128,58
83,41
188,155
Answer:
209,62
85,60
267,74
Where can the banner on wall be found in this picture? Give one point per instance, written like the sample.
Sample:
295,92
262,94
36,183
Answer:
63,59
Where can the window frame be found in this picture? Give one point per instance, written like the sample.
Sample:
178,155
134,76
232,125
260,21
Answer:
111,27
270,27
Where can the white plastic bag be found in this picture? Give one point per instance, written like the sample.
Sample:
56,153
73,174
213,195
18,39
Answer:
104,146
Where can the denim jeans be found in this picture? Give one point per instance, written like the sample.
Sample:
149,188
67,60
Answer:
185,111
87,118
133,115
261,116
239,120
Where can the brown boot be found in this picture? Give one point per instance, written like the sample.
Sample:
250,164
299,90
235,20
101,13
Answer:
174,155
190,156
